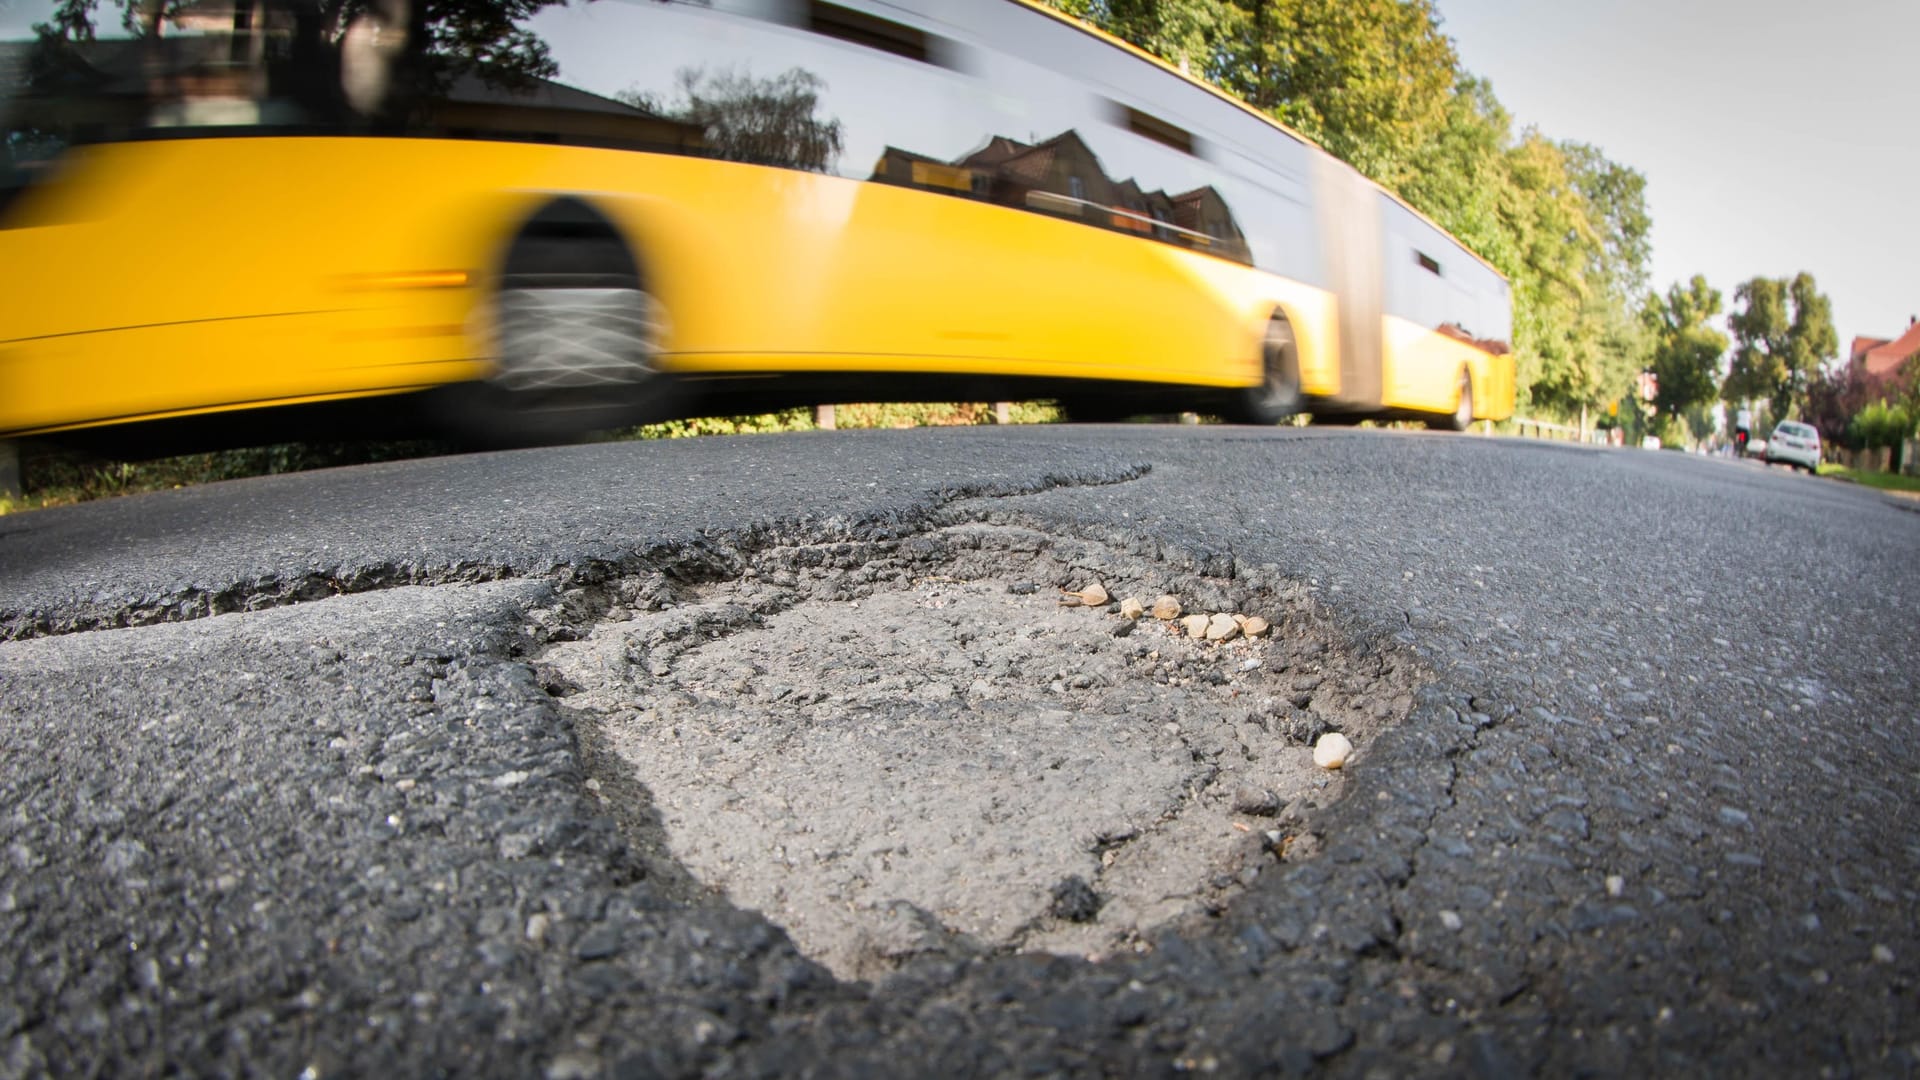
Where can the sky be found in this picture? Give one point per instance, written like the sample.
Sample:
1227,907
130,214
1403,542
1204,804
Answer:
1776,135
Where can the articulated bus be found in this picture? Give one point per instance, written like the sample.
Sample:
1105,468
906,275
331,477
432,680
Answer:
256,211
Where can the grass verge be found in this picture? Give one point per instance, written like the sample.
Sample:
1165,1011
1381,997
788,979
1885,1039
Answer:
1880,480
51,477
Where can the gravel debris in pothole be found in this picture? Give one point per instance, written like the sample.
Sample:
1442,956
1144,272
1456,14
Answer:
907,748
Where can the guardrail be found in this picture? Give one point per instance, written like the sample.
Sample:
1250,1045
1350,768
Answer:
1527,427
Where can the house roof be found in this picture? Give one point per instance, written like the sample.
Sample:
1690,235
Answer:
1861,343
1029,163
998,149
894,153
472,88
1884,360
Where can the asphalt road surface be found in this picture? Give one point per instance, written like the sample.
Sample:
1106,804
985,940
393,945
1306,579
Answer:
289,786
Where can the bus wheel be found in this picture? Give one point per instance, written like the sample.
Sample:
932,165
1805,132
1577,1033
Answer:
1462,416
1278,395
576,335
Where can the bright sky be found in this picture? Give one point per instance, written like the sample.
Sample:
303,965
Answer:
1775,135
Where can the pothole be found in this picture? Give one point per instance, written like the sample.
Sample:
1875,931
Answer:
915,747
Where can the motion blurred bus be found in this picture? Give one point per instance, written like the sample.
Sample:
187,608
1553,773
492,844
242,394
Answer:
252,215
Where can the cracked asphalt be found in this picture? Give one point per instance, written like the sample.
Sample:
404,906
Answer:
1653,811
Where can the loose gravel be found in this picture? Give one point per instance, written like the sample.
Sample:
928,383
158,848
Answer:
933,747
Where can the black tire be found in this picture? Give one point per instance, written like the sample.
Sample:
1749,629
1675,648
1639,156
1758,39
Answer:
1278,396
1461,418
575,332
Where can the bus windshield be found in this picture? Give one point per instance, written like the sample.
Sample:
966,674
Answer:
116,71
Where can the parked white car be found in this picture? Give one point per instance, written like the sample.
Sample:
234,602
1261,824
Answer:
1796,444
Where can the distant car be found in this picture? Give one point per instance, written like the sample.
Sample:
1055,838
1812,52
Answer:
1796,444
1756,447
1650,442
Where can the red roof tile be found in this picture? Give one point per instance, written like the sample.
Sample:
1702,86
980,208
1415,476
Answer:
1885,359
1861,343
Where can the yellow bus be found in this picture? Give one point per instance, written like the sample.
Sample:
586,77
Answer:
249,215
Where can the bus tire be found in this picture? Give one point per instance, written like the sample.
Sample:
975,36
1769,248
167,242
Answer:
1278,395
576,333
1461,418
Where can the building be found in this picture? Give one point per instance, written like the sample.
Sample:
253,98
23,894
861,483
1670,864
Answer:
1878,360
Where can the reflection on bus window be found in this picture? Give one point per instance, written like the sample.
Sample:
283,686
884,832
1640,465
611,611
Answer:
766,121
1062,176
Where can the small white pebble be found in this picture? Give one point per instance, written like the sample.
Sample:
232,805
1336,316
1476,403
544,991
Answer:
537,927
1332,751
1882,954
1616,884
1450,920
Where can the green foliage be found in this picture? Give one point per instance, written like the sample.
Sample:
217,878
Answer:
1880,480
1186,34
1686,351
1701,421
1616,203
885,415
1881,424
758,424
1367,79
52,477
1782,333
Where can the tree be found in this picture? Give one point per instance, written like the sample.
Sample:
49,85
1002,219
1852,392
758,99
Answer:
444,37
1577,340
1686,351
1883,425
1833,399
765,121
1367,79
1700,420
1782,335
1188,34
1617,204
1463,182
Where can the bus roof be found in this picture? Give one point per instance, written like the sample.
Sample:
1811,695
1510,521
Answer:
1101,35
